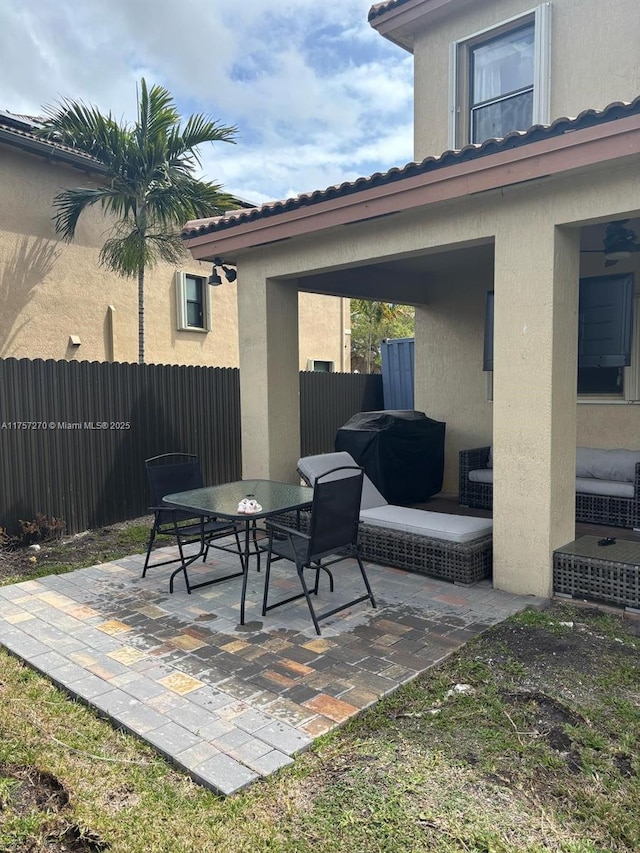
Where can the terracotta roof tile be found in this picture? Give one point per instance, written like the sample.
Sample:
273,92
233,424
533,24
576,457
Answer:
380,8
24,127
586,119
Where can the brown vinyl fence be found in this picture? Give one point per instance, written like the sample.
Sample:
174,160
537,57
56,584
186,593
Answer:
328,400
74,435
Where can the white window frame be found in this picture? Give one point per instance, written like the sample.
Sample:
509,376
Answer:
181,302
459,54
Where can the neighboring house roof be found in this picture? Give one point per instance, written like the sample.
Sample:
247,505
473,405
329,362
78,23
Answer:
381,8
20,131
517,139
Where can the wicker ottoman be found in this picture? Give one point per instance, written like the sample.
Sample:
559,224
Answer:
610,573
459,562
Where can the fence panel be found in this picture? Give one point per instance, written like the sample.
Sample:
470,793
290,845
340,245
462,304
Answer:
74,435
328,400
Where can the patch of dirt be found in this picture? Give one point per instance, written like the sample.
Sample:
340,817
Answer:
34,790
562,662
549,718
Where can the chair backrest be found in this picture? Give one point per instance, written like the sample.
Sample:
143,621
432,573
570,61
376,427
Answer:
335,511
311,467
173,472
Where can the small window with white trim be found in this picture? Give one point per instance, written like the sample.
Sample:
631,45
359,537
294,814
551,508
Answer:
193,302
500,79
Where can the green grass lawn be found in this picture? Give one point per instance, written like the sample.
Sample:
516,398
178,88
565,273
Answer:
540,752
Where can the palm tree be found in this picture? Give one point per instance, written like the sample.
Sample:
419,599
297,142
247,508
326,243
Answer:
372,321
147,183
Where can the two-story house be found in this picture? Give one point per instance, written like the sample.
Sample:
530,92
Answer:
57,302
535,107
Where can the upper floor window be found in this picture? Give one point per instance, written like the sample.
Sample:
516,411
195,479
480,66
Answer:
502,84
500,79
192,302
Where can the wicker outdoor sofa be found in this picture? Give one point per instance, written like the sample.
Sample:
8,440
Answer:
607,484
451,547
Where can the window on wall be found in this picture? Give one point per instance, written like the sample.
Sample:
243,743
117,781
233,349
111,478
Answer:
608,337
192,302
605,334
500,79
320,366
501,84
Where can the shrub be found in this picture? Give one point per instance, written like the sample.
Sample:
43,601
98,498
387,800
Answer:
41,529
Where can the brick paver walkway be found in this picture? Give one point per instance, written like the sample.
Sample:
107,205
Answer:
225,702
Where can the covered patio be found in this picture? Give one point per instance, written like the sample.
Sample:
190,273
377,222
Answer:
524,217
227,703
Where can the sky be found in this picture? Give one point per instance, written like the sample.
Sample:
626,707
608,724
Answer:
318,96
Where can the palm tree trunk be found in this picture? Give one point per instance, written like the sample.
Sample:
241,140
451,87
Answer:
141,315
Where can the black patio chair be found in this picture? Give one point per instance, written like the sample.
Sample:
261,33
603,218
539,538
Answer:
180,472
333,532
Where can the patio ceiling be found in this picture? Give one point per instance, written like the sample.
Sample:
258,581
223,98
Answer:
405,279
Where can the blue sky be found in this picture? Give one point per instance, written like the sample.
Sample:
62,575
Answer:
317,95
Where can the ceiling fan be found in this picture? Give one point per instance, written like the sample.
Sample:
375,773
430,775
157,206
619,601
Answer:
619,243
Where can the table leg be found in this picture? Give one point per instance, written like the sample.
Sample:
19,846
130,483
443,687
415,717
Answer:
245,567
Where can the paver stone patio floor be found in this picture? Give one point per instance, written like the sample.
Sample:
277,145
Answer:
230,703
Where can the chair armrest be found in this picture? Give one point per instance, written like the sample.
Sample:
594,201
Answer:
476,457
470,460
289,531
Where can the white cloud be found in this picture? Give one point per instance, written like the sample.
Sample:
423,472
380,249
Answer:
317,95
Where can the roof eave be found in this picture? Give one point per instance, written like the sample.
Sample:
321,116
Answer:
398,24
50,151
551,156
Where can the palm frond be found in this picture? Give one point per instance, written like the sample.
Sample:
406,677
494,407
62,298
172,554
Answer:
127,252
183,143
69,205
85,128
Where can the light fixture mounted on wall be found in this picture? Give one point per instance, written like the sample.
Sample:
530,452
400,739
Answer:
214,278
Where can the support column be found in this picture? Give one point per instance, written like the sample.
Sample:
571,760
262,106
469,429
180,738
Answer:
534,398
269,376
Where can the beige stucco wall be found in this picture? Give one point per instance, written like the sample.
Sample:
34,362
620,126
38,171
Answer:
535,227
449,344
594,59
50,290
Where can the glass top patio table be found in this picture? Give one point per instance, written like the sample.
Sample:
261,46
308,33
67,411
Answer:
222,501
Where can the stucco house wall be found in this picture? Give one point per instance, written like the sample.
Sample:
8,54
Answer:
593,61
51,290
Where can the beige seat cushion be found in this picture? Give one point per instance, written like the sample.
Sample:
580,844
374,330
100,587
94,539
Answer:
481,475
608,488
311,467
435,525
